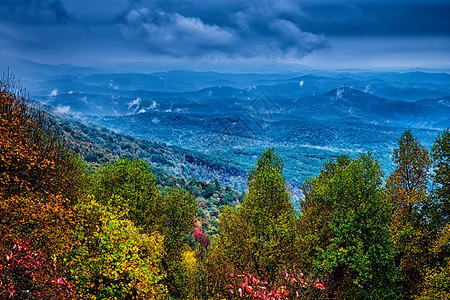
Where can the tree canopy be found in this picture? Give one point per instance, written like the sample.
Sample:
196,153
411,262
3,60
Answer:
345,228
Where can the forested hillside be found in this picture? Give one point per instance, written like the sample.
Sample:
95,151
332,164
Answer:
214,182
98,145
113,230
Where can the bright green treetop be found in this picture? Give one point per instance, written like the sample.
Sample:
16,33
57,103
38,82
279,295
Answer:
135,184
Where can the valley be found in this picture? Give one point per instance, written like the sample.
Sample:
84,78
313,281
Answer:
307,116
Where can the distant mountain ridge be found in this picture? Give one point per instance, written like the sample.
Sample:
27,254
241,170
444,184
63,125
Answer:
337,104
307,130
308,116
346,102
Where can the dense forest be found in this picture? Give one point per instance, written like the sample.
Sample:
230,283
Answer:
72,229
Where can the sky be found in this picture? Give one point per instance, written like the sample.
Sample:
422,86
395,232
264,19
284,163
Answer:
229,35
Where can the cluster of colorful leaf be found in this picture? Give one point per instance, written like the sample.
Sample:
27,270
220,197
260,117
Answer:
248,286
201,237
25,266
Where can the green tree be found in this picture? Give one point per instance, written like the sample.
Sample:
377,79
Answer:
258,236
135,184
345,229
179,212
130,185
407,190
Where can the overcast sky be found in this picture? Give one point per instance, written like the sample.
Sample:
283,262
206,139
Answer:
232,35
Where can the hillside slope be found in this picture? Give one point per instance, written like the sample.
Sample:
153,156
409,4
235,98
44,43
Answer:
99,145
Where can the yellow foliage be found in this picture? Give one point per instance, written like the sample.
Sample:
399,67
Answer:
117,256
190,268
36,192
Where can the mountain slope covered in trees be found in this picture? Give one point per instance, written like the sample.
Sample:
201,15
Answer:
115,231
98,145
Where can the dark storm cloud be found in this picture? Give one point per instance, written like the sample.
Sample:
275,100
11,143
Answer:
84,31
179,28
377,18
34,11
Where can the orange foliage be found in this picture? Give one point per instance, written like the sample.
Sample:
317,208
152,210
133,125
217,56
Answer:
37,186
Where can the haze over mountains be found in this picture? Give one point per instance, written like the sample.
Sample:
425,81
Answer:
307,116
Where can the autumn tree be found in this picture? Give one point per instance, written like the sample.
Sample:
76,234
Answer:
32,155
407,190
436,283
258,235
40,180
440,209
344,229
114,258
131,185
